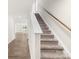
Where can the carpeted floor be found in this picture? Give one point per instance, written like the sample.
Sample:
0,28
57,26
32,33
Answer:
18,48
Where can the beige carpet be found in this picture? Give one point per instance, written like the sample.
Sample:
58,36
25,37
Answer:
18,48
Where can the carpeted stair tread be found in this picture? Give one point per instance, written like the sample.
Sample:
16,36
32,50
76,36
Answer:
51,47
46,55
49,36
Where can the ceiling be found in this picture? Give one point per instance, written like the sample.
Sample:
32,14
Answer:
19,7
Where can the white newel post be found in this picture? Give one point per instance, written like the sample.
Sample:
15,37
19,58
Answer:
37,46
35,6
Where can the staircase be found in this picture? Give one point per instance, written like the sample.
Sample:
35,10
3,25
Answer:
50,49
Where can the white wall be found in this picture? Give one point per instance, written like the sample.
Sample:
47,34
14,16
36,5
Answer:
21,27
11,30
59,8
16,24
20,23
19,7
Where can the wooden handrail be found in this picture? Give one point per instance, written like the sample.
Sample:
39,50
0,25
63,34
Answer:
57,20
